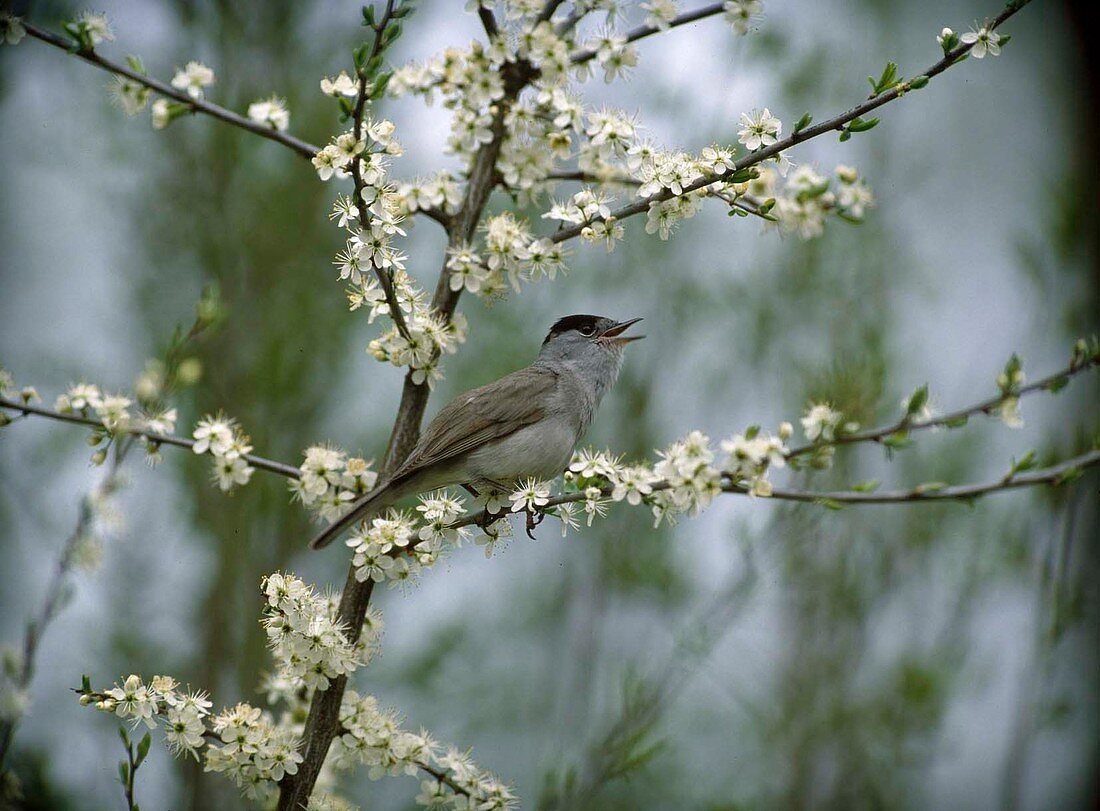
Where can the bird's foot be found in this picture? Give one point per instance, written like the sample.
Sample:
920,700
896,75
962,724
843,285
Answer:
533,520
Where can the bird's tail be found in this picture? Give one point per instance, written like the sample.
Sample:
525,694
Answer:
375,501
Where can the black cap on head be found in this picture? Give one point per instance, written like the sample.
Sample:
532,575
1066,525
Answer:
581,323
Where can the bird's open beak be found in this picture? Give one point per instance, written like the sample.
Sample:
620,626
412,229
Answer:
613,334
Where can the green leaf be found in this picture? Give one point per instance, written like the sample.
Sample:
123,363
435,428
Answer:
897,440
368,16
1070,475
869,486
122,733
889,76
1057,384
744,175
917,401
124,772
929,487
379,86
85,684
143,749
803,122
859,125
1025,462
767,205
829,503
135,64
917,82
752,432
957,422
392,32
845,135
362,53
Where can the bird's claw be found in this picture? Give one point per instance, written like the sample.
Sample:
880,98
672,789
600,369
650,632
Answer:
533,520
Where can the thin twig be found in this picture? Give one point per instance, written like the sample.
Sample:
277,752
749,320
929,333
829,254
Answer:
385,278
303,148
907,425
587,54
270,465
322,722
51,602
920,493
488,22
836,123
297,145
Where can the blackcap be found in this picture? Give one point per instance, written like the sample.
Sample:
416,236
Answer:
526,424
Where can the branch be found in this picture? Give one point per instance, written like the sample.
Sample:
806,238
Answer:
296,145
906,425
322,723
385,279
302,148
52,603
1055,474
488,22
836,123
161,439
586,54
442,776
588,177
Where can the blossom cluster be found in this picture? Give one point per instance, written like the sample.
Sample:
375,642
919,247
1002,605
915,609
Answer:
370,262
271,111
222,438
309,646
256,748
396,545
372,736
330,480
182,714
117,415
255,752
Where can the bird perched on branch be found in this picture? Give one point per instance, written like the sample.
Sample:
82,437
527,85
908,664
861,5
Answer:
525,424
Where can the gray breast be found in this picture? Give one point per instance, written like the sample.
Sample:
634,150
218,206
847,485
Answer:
541,450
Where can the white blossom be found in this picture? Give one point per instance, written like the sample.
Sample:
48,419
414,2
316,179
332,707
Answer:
759,128
271,111
983,41
193,78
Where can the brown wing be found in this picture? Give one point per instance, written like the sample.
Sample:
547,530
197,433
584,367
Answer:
480,415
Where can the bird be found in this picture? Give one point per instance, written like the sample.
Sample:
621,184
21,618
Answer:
524,425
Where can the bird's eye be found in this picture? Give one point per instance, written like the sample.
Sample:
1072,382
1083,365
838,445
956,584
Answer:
588,330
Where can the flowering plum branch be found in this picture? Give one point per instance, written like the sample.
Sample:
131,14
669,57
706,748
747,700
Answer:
191,103
517,117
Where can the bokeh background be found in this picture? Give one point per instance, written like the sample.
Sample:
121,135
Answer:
759,656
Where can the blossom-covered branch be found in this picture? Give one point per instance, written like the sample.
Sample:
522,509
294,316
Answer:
917,417
587,54
197,105
932,491
259,750
836,124
151,436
